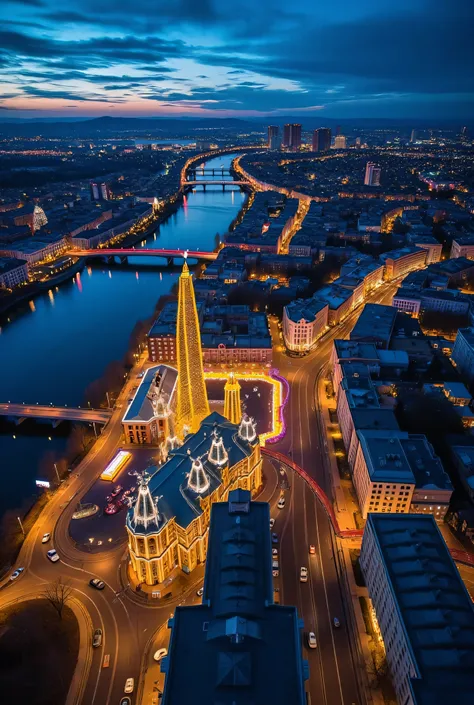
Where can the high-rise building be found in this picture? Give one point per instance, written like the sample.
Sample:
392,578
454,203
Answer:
413,136
238,646
322,139
273,141
99,191
340,142
192,405
292,136
232,408
372,174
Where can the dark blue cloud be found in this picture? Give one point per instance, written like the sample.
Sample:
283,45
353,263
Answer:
384,57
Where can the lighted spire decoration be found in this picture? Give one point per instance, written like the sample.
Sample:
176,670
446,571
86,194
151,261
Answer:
192,403
145,509
198,480
217,453
247,429
232,409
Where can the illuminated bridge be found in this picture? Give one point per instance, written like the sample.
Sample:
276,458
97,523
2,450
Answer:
123,253
55,414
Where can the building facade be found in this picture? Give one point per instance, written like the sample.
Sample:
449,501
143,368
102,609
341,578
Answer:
169,524
304,322
463,354
401,262
148,419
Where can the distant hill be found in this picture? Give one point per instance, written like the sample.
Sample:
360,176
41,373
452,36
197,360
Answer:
154,128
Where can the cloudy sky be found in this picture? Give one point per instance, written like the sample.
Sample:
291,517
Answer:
348,58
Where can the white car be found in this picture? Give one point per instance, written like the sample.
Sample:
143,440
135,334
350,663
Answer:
129,685
303,575
275,553
161,653
16,574
281,502
312,643
200,592
46,538
272,523
52,555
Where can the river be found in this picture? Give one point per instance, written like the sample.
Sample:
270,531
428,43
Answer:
54,346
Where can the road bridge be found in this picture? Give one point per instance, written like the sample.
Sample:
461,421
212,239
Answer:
109,253
214,182
55,414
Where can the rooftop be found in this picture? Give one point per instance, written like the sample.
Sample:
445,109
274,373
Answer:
385,457
433,603
168,482
237,647
375,323
157,380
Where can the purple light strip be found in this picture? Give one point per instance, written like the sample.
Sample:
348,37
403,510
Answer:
276,375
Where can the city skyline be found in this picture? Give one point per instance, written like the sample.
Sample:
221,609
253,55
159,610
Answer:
373,60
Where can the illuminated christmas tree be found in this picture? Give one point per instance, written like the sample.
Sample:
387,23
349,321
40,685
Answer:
232,410
192,402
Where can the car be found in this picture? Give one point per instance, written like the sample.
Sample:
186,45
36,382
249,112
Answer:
312,550
281,502
272,523
52,555
200,592
275,573
129,685
97,638
16,574
274,538
97,584
275,565
125,701
312,643
275,552
336,622
161,653
140,375
46,538
303,575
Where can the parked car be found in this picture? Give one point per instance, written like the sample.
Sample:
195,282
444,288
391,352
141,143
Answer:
161,653
274,538
312,643
129,685
97,638
52,555
303,575
125,701
200,592
16,574
46,538
272,523
275,553
281,502
97,584
336,622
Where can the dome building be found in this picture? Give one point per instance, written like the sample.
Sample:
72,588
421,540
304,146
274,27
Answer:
168,525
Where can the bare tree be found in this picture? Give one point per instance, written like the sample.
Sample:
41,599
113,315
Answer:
58,594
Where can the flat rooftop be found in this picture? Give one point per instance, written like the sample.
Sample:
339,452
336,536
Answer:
434,606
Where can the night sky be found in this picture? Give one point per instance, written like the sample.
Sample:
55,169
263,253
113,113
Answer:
366,58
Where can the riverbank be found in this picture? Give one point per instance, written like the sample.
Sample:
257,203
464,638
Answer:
36,288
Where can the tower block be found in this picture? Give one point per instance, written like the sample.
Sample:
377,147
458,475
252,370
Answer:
192,402
232,408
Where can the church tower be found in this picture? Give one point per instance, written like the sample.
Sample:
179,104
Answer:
232,410
192,402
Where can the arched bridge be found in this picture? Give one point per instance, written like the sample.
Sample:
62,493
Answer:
55,414
144,252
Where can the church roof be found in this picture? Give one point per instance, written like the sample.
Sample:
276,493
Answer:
169,482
